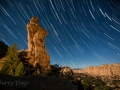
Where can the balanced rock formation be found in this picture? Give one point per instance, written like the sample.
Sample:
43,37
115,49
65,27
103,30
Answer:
107,70
37,52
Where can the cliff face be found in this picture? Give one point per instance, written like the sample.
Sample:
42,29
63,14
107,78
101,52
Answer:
36,45
102,70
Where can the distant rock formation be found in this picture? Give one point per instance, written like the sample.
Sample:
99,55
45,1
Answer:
107,70
36,45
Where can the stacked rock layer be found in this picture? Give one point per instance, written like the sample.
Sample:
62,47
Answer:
107,70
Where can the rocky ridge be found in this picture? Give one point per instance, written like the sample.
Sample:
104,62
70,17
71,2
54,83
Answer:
106,70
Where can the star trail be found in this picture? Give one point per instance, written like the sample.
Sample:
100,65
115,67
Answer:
81,32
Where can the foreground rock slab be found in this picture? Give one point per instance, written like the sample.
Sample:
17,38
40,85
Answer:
34,83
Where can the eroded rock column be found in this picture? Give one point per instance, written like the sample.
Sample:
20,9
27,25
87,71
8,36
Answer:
36,45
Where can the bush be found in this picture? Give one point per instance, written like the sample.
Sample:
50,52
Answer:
55,70
47,73
88,83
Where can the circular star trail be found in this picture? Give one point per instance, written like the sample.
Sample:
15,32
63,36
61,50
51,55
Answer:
81,32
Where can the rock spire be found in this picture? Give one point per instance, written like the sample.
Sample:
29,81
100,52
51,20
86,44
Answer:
37,52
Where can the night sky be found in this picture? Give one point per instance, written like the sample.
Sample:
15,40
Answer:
81,32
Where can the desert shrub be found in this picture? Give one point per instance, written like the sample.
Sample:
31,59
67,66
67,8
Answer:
103,87
77,81
55,69
28,69
47,73
98,82
87,83
36,69
107,88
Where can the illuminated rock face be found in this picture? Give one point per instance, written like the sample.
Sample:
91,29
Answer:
66,71
37,52
102,70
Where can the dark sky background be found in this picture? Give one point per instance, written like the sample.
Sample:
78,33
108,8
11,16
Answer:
81,32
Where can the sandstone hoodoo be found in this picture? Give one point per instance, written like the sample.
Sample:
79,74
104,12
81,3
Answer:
37,52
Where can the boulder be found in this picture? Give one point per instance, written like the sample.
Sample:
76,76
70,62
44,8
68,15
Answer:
66,72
